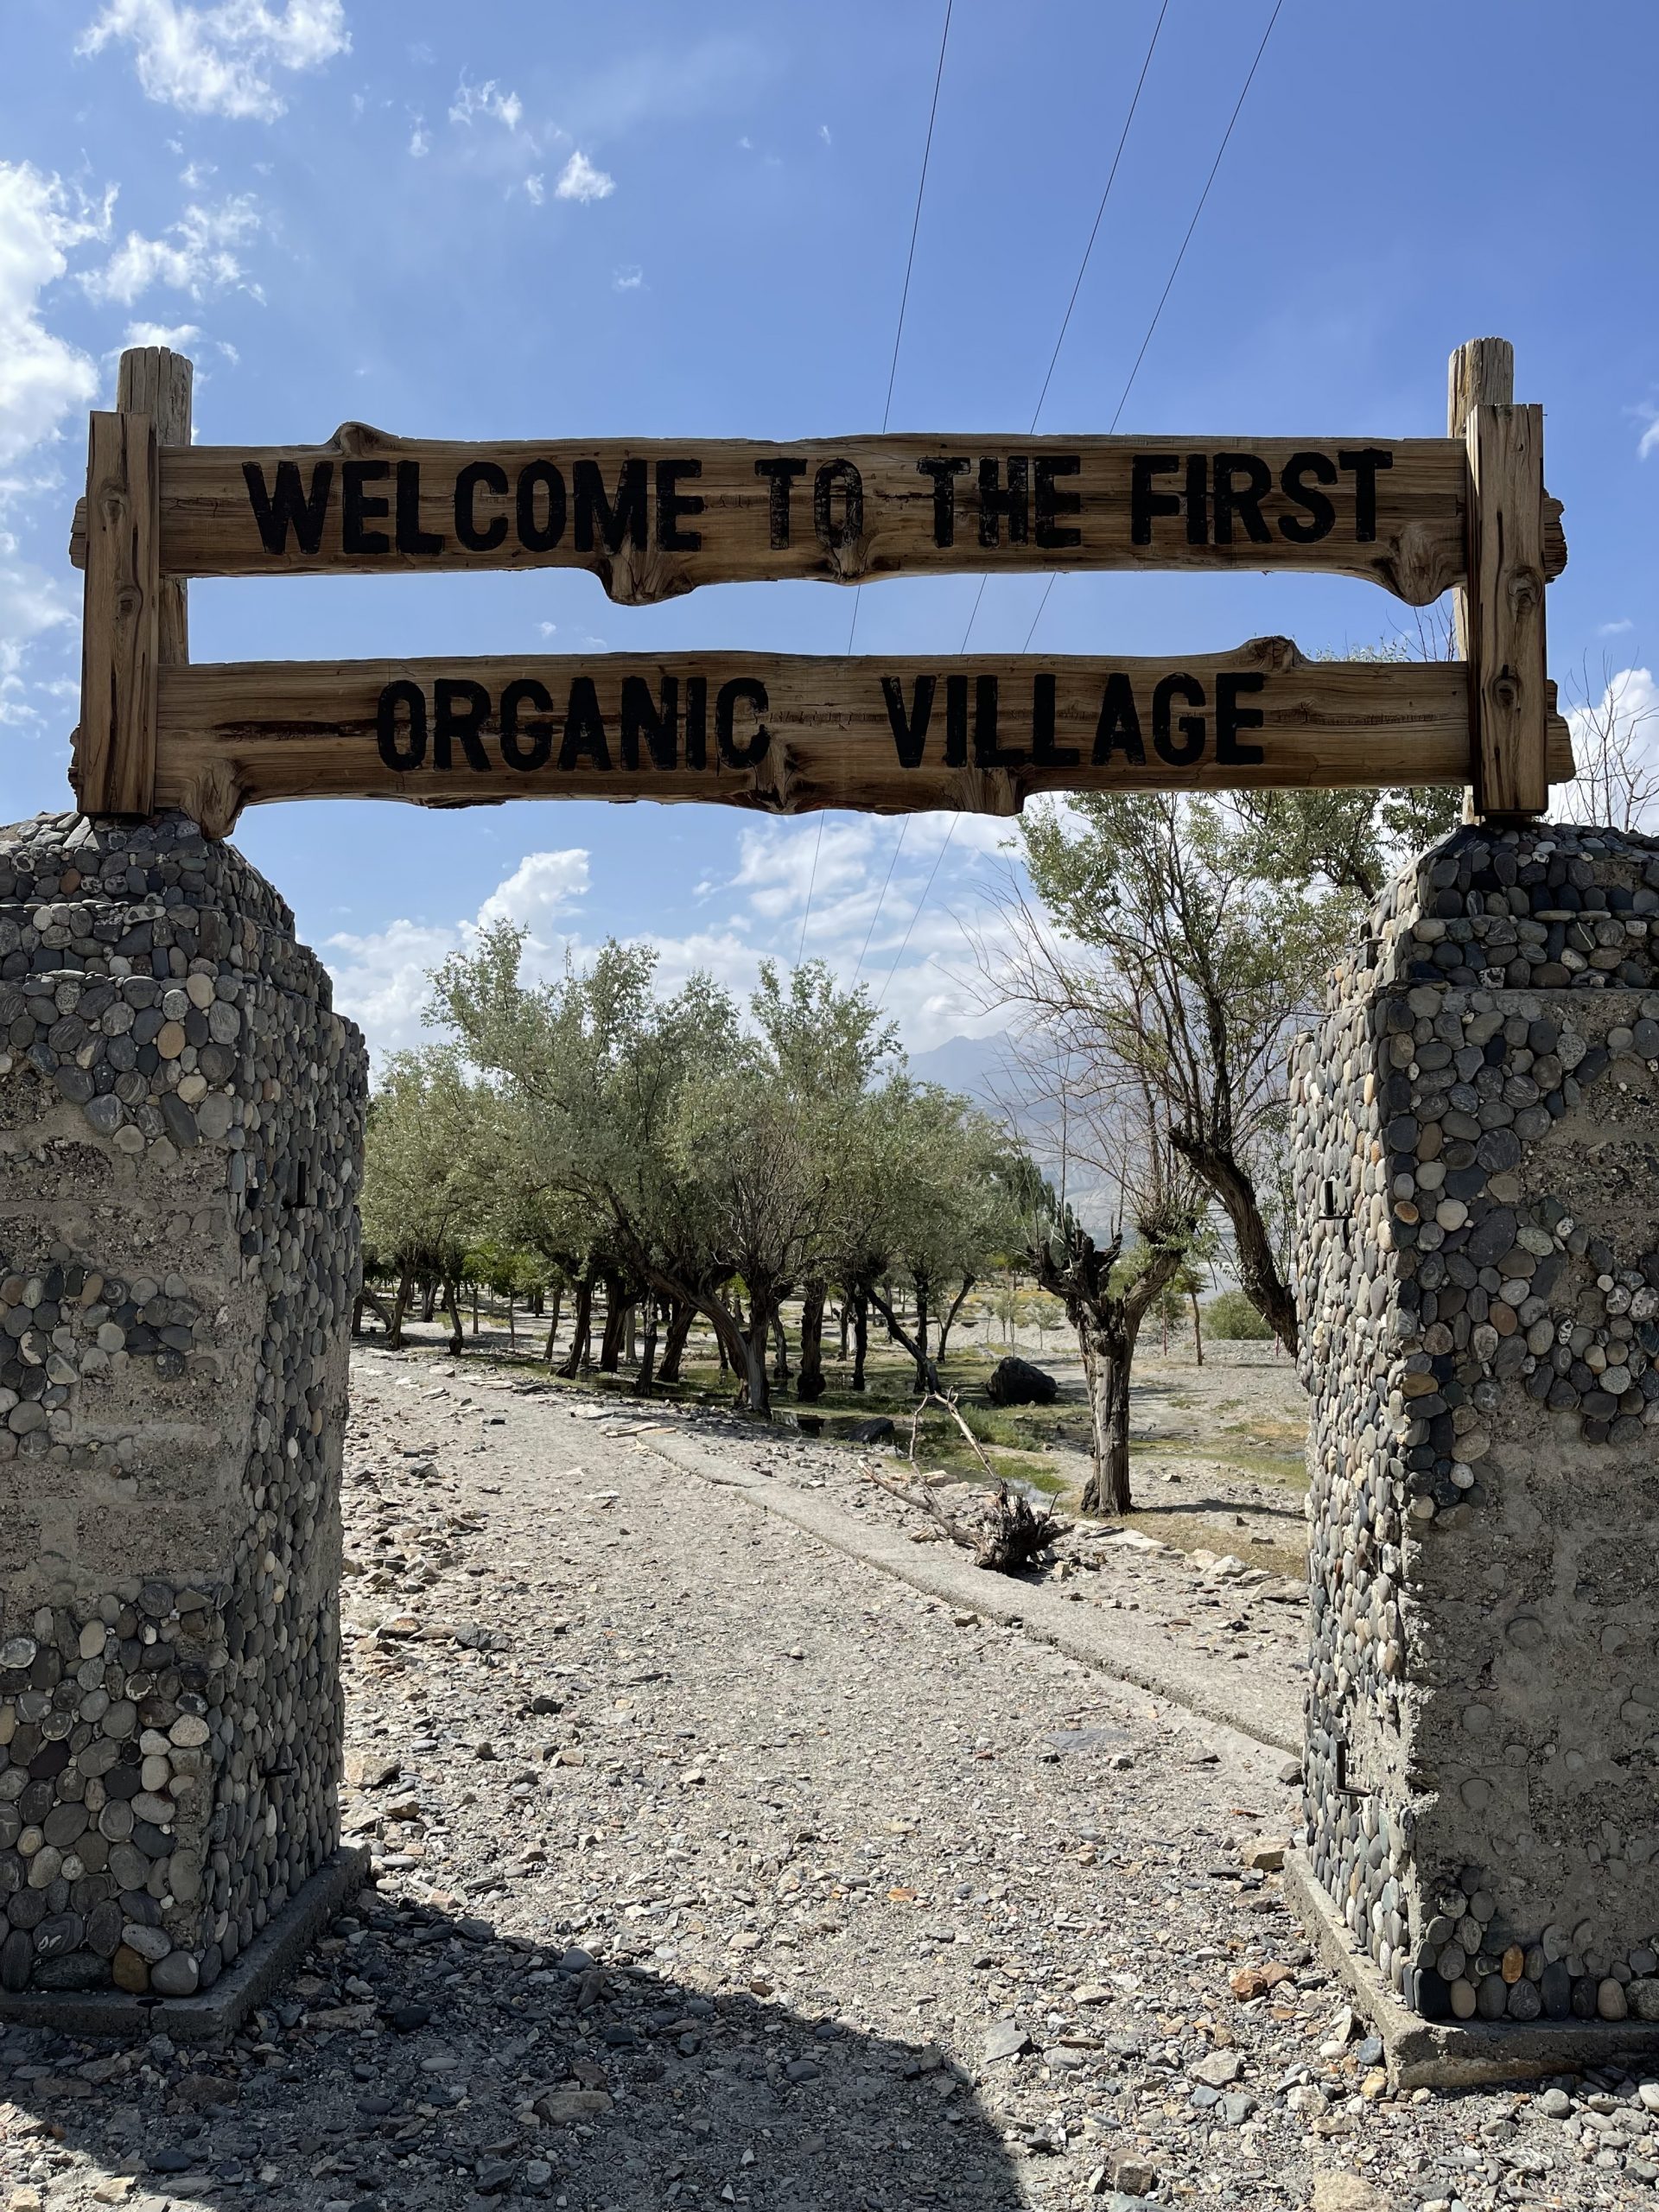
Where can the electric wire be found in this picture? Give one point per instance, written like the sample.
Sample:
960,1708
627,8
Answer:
1036,414
886,411
1157,312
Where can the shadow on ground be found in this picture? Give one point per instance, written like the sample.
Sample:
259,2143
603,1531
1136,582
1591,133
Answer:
419,2059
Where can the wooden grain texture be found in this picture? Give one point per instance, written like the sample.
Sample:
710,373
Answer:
1479,373
1508,680
983,503
787,735
113,760
154,380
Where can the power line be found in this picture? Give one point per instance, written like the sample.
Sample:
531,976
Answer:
1175,271
886,411
1083,267
1036,414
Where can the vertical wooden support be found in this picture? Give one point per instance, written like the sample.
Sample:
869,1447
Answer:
156,381
1500,616
114,765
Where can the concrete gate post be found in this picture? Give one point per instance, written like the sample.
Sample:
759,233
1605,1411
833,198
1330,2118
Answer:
1476,1130
181,1138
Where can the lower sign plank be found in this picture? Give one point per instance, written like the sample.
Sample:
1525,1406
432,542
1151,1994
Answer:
786,734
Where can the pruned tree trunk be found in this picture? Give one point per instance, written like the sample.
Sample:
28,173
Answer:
512,1331
452,1300
429,1298
843,1319
399,1307
633,1333
1198,1327
809,1383
369,1296
681,1315
582,1326
957,1305
642,1387
757,1379
780,1349
1258,1271
1108,1356
474,1308
616,1317
553,1324
927,1374
860,1336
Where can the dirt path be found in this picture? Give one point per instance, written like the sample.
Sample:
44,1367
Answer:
714,1866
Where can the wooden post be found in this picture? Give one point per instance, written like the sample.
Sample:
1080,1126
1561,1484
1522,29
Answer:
136,619
114,765
155,382
1501,617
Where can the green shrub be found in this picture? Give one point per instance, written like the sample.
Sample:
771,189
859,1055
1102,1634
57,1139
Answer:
1233,1319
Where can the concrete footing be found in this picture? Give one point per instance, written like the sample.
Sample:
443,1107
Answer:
219,2011
1444,2055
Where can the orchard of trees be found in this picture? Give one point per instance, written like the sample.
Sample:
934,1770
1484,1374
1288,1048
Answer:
588,1135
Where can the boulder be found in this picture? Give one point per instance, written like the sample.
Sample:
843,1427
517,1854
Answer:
1017,1382
879,1429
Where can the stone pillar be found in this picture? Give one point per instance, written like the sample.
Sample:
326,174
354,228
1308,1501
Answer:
180,1137
1476,1126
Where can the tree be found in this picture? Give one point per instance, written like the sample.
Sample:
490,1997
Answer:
429,1150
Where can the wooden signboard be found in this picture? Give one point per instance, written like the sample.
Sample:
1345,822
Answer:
652,520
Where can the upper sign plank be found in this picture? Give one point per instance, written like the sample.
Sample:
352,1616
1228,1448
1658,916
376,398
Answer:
654,519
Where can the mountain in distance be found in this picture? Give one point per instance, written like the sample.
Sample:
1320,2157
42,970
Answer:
1001,1076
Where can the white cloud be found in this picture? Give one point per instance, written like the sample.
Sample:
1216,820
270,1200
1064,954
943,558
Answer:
220,60
489,100
381,977
195,174
198,254
1614,629
580,181
824,133
420,142
175,336
543,886
535,190
628,278
42,378
1648,441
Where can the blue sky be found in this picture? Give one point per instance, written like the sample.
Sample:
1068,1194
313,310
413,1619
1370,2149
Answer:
552,220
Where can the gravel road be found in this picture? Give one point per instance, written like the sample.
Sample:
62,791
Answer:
715,1865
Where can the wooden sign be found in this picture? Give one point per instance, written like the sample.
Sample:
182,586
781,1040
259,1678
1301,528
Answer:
785,734
654,519
651,521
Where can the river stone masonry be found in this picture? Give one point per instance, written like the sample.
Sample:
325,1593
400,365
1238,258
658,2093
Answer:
180,1140
1476,1135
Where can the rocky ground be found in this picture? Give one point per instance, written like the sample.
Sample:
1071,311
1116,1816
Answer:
714,1866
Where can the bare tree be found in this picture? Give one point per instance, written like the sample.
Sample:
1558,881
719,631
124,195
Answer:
1615,749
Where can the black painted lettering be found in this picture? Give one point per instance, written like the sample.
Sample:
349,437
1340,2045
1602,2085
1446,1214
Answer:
1014,502
476,538
460,709
748,691
697,721
412,538
1051,503
1230,718
780,475
1045,753
944,474
956,721
660,725
987,754
584,726
526,691
1118,729
358,508
539,506
844,473
909,730
1195,499
411,752
1365,463
1321,516
1244,499
1146,504
672,505
287,508
619,520
1182,752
